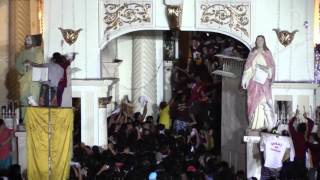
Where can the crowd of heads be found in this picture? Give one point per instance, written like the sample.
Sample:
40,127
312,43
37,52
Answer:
143,150
13,173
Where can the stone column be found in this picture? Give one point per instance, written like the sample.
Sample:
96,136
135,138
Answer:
233,117
144,70
167,83
20,25
4,47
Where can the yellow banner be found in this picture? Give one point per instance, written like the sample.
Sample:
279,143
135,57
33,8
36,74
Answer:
38,147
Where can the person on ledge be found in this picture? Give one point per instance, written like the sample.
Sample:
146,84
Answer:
48,91
6,135
64,83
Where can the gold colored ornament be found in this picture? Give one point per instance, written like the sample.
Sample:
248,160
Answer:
117,15
174,15
70,35
285,37
235,16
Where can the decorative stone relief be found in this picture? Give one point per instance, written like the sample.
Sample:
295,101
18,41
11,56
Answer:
118,15
285,37
235,16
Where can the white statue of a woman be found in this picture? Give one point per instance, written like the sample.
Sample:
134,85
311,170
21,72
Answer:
257,78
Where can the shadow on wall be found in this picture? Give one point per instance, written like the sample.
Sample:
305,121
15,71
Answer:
12,84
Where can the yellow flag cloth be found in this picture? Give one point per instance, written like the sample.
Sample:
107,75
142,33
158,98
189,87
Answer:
38,147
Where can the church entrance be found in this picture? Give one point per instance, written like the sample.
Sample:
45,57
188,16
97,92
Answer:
206,65
197,73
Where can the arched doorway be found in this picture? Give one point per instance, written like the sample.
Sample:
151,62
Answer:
226,106
219,61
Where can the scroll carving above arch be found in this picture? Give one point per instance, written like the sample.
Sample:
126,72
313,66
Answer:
234,16
123,14
120,17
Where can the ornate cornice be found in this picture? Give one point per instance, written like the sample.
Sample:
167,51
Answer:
234,16
118,15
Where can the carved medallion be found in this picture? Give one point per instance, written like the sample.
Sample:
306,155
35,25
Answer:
70,35
285,37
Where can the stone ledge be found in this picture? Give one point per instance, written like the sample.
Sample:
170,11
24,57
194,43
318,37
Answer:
251,139
294,85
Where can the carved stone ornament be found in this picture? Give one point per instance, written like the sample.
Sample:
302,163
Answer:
285,37
70,35
174,15
116,15
235,16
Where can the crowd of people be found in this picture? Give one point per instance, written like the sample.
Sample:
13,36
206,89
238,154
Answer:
183,142
139,149
196,91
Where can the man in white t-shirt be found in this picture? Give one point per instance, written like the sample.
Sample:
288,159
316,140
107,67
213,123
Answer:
274,147
55,74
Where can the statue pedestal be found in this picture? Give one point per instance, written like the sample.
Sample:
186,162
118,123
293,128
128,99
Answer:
10,122
253,162
21,149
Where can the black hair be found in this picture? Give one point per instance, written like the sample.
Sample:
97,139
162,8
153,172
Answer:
56,55
136,115
302,127
1,122
149,118
58,58
96,149
285,133
161,127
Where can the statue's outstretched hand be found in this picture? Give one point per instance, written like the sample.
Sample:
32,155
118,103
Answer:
244,84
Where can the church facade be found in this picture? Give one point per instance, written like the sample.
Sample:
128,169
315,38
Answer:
133,32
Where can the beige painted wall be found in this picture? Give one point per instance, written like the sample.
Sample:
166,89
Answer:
4,47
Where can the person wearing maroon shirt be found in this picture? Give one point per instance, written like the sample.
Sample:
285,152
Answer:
64,63
198,102
6,135
314,147
299,139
